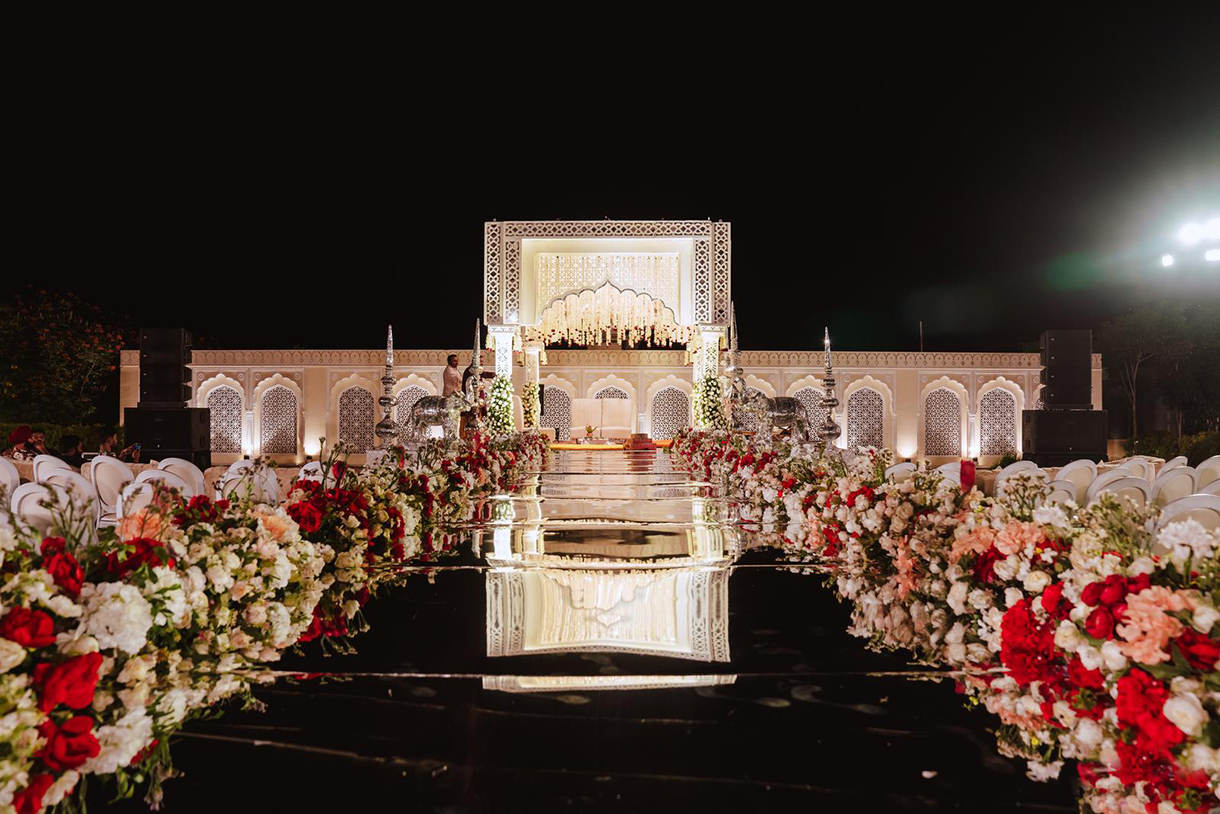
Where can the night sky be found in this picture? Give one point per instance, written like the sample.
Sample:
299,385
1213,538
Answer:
991,182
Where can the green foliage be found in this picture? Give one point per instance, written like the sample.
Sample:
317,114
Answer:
1010,457
1197,448
57,354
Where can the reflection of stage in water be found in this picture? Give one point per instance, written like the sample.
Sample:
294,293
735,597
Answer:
677,612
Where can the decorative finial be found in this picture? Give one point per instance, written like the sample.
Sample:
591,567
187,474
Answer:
830,429
733,330
389,345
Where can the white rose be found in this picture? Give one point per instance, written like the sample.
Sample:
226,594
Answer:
1090,657
1204,617
1067,636
1144,565
1115,660
1007,568
1088,734
1186,713
957,597
1202,757
11,654
1035,581
1012,596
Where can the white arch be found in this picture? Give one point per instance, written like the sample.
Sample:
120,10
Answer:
332,404
1001,383
551,380
660,384
963,399
219,380
412,379
762,385
205,390
278,380
802,383
613,381
887,406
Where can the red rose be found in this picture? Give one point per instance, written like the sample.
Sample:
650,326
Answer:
145,550
1091,594
1100,624
70,682
306,516
28,628
1137,584
1199,650
66,572
70,745
1051,597
52,545
1115,590
29,799
1082,677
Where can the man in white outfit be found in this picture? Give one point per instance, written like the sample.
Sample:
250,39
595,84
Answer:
453,378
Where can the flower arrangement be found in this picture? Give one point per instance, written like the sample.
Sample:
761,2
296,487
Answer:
1090,637
111,640
589,430
500,406
531,412
709,404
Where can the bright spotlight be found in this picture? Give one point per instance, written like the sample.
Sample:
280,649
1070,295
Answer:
1211,229
1190,234
1166,260
1213,255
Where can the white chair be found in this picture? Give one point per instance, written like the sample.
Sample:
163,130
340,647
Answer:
616,418
310,471
1080,473
1101,480
1016,466
1128,488
167,478
1001,486
1139,467
900,471
586,413
1212,488
43,464
954,475
1174,463
186,470
952,466
109,476
79,509
10,478
134,497
1203,509
1062,491
78,486
237,466
1207,471
1176,483
261,487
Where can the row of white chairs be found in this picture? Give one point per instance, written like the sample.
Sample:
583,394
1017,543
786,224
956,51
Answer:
243,479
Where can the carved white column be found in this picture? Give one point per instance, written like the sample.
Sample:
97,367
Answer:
708,361
502,343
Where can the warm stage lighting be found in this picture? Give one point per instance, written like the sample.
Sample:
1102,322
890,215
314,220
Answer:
1213,255
1211,229
1190,233
1167,260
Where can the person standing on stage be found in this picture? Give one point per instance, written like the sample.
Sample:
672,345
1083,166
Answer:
453,379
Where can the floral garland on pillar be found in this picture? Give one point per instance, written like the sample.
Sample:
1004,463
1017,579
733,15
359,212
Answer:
500,407
531,413
709,404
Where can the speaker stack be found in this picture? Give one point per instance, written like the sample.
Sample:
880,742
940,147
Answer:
1067,427
161,422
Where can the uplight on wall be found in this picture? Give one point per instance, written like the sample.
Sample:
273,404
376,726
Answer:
313,447
1212,255
1167,260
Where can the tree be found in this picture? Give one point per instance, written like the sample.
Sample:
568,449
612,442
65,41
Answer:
1133,339
59,353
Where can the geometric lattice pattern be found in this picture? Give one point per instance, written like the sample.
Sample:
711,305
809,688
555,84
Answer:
278,422
865,419
557,411
356,419
610,392
402,413
670,412
942,421
225,405
809,402
997,422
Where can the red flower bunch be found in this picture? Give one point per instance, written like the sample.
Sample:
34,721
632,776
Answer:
61,565
70,682
136,553
1140,701
1027,647
28,628
68,746
1108,597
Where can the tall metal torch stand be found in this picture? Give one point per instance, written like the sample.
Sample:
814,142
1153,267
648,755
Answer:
386,429
829,431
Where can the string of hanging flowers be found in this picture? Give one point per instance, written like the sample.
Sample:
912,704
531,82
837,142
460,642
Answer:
609,315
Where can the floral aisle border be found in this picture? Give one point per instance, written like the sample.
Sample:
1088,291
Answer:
110,641
1089,635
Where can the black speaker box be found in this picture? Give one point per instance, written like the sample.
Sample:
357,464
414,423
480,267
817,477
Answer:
164,432
164,375
164,396
1054,434
1067,348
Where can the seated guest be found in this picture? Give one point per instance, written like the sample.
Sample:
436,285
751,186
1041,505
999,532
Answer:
110,441
37,443
70,451
16,440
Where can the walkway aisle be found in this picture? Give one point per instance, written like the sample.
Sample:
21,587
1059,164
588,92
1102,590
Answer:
607,641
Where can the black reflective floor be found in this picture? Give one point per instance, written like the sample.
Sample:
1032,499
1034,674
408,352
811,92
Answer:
607,641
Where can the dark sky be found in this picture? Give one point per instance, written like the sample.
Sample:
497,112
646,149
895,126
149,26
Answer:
990,180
